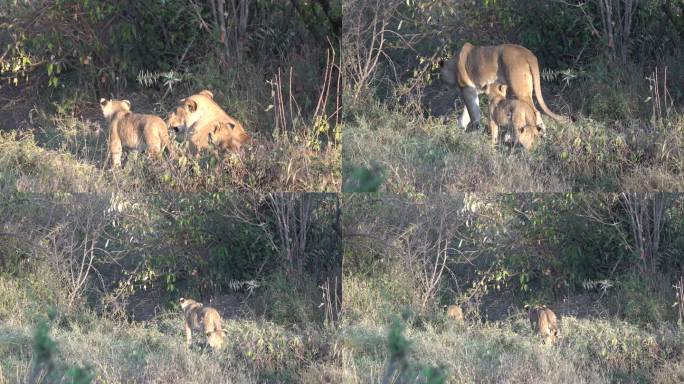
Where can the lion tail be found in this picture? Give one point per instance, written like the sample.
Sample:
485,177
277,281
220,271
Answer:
536,79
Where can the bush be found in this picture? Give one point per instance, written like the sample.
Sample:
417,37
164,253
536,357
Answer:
642,299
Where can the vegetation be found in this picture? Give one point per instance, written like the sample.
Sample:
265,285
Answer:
273,65
93,261
90,285
609,265
613,66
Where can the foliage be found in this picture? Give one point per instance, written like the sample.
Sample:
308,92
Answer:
527,247
284,307
642,299
423,155
399,368
599,351
45,365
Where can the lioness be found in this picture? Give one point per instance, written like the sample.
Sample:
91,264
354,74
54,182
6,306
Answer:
199,115
455,312
543,321
473,68
133,130
517,115
199,317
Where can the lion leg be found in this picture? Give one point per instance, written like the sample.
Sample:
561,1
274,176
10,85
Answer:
464,119
472,109
116,159
215,340
196,142
153,141
115,149
166,142
494,130
188,334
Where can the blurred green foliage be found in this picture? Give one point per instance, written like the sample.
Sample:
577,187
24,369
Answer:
45,365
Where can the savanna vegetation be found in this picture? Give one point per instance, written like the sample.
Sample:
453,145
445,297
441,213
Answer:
611,266
272,65
613,66
91,284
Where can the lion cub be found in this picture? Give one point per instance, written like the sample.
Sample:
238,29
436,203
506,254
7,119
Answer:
517,115
455,312
227,136
132,130
199,317
543,321
201,117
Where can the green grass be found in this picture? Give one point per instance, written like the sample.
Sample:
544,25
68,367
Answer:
416,155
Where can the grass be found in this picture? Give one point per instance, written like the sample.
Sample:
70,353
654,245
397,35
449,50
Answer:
54,203
56,151
424,155
155,352
590,350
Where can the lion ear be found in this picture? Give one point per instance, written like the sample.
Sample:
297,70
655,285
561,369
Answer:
191,105
503,88
103,101
207,93
128,103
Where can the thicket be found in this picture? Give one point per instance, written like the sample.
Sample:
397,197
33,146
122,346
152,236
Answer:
610,266
612,65
494,253
273,65
108,251
101,47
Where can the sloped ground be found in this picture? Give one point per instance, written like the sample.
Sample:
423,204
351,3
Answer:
155,352
69,152
430,155
589,351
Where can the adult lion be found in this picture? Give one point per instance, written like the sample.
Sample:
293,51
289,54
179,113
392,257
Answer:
199,115
473,68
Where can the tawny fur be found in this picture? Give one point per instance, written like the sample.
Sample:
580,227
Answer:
207,319
516,115
455,312
544,322
132,130
200,116
223,136
473,68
